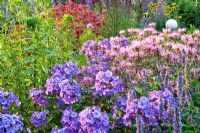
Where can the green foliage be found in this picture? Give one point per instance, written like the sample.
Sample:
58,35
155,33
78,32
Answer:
27,55
187,9
117,19
159,13
32,22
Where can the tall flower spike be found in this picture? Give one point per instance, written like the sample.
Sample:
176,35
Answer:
180,86
130,96
139,124
177,125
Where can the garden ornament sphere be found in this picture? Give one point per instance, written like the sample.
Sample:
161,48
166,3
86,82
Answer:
171,24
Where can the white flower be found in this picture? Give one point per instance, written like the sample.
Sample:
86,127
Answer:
171,24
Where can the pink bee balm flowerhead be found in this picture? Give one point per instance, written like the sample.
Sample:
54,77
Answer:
90,26
181,31
166,31
196,33
130,30
174,35
122,33
152,25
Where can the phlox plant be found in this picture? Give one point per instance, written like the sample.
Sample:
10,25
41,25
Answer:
139,83
28,53
9,122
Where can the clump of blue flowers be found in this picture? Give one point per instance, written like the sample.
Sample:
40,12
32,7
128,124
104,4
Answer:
10,123
38,97
107,84
7,99
39,119
93,120
63,83
70,120
159,106
118,110
59,73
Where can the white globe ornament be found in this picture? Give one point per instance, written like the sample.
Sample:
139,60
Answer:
171,24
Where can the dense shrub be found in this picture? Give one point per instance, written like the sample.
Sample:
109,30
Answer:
187,10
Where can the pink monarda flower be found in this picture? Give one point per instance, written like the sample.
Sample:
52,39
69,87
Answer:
152,25
189,40
130,53
166,31
150,31
181,31
125,65
174,35
192,51
158,40
90,26
196,33
170,46
122,33
141,35
130,30
135,45
134,31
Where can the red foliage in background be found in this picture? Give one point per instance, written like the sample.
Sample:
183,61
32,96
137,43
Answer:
82,16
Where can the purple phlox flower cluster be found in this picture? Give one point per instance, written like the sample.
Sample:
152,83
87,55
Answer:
157,107
10,123
93,120
59,73
63,83
95,52
106,84
38,97
118,109
104,44
67,70
118,42
70,120
39,119
7,99
70,92
89,48
119,105
88,73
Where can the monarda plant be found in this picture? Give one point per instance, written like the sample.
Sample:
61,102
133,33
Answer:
82,16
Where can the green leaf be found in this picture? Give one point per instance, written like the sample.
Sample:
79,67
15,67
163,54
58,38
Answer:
139,90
